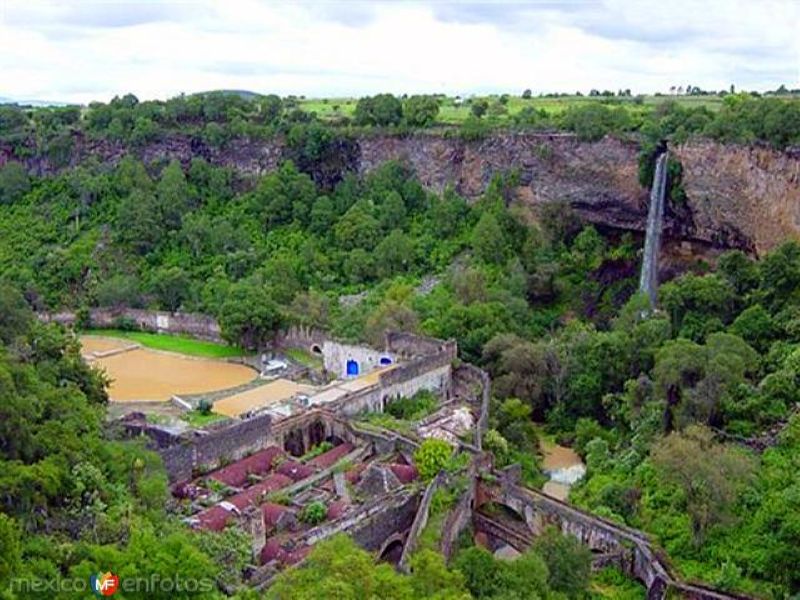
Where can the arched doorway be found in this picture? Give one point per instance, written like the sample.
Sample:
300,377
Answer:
293,444
385,361
316,433
352,368
392,550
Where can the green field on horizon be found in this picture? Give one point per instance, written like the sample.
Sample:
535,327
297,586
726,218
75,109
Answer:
454,111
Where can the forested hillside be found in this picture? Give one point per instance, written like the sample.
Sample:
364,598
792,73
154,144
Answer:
658,403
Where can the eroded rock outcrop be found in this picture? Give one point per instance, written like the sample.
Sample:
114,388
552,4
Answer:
740,196
744,197
598,179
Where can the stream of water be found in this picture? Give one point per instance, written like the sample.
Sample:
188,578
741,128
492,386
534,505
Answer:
648,282
563,466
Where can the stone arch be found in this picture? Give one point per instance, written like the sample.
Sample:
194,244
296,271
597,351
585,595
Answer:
392,548
316,433
293,443
503,509
315,349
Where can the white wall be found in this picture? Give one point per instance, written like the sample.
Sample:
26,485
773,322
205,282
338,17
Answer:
336,355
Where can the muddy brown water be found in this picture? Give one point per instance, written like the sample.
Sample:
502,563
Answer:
145,375
559,460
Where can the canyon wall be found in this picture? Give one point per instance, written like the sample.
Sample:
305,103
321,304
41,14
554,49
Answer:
741,195
744,197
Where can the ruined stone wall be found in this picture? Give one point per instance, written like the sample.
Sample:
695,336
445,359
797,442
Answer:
410,345
204,452
331,426
420,521
458,519
474,385
641,561
336,355
179,462
371,524
403,382
193,324
301,336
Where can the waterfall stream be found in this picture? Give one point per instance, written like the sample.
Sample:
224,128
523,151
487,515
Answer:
648,283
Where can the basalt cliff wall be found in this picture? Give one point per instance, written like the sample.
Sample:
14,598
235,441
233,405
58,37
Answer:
746,197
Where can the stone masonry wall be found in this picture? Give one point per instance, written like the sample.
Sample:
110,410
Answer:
194,324
336,355
207,451
540,511
420,521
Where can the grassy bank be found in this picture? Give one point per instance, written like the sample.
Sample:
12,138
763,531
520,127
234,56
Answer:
182,344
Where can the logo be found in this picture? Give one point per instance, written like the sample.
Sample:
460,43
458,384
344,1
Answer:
104,584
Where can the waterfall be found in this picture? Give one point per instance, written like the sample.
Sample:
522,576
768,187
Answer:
648,283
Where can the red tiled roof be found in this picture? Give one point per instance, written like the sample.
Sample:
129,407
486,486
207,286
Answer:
295,556
336,509
326,459
272,550
404,473
295,470
252,494
215,518
354,474
272,512
235,475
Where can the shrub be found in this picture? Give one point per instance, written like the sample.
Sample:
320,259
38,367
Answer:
431,457
313,513
418,406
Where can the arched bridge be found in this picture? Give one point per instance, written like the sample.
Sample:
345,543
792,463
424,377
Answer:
509,513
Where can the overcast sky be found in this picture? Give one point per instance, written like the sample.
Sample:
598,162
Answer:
83,50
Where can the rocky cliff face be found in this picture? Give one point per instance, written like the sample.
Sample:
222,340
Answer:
737,196
740,196
599,180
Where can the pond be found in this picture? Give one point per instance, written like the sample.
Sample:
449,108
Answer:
144,375
563,466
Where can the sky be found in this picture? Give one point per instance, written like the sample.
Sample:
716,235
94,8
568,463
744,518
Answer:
84,50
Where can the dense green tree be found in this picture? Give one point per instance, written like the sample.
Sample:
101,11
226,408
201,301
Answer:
173,194
421,111
709,474
780,273
478,107
249,316
336,567
488,240
119,290
357,228
14,182
381,110
172,286
394,254
739,270
283,196
568,562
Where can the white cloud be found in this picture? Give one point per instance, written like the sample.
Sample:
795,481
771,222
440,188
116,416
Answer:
91,49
